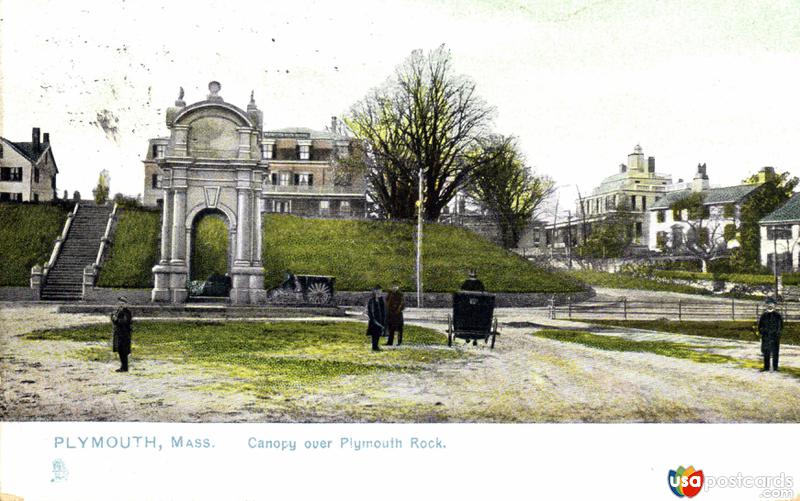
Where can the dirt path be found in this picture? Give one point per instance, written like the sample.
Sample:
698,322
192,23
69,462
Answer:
524,379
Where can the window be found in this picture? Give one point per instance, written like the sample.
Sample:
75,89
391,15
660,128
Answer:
283,178
281,206
10,197
644,202
304,179
661,216
633,202
324,206
35,197
344,207
785,263
11,174
677,215
154,181
1,150
303,151
639,229
783,232
159,150
36,174
267,150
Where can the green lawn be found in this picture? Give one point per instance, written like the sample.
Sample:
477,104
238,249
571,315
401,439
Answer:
27,234
695,353
266,358
358,253
740,330
134,252
624,281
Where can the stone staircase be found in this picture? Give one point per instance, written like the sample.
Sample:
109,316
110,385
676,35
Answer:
64,280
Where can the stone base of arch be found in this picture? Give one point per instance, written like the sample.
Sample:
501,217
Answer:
171,280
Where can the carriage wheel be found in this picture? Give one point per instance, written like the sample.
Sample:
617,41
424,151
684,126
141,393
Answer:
449,330
319,293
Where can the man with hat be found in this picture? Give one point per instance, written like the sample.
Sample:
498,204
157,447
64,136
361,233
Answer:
121,341
376,312
769,328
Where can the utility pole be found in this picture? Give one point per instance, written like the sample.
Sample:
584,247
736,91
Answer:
775,258
569,238
419,242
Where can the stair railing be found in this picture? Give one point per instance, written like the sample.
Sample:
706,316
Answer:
91,272
38,273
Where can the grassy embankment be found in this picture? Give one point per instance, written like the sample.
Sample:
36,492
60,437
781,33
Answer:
27,235
358,253
739,330
695,353
265,358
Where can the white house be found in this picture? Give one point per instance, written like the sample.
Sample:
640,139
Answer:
780,234
27,169
670,226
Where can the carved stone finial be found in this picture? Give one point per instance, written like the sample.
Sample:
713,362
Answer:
213,88
252,97
180,102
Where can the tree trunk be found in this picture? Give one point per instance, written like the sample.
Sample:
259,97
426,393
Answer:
704,265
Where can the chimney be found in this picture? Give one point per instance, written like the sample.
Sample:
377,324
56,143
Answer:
35,138
46,138
769,173
651,165
334,125
623,167
700,181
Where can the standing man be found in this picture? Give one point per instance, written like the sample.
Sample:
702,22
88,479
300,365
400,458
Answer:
395,304
376,312
769,328
472,283
121,341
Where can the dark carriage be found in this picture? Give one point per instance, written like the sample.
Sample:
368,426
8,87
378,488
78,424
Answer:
308,289
215,285
473,318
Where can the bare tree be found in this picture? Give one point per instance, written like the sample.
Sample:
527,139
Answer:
507,188
704,237
425,118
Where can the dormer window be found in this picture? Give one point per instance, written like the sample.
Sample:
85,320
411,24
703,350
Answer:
303,149
159,150
267,151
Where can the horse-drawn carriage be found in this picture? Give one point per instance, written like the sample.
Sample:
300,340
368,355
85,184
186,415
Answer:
473,318
304,289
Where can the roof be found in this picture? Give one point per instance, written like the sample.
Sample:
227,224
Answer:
713,196
788,212
302,133
27,150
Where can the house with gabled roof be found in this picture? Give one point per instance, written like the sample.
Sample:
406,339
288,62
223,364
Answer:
670,224
780,234
27,169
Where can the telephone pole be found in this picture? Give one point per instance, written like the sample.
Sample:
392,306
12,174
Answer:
419,242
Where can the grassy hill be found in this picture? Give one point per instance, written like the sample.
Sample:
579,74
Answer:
358,253
27,234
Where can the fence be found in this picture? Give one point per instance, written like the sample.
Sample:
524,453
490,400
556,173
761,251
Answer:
626,309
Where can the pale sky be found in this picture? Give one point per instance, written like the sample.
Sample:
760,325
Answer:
579,82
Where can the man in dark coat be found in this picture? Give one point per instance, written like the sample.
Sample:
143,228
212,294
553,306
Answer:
472,283
769,328
376,312
395,304
121,342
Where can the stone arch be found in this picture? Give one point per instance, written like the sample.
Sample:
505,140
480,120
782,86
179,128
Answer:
215,166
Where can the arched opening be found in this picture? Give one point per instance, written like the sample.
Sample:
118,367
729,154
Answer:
209,259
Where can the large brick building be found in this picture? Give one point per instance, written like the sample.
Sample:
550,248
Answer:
27,169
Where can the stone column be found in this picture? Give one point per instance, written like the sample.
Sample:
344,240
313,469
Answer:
243,228
257,236
166,228
178,255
